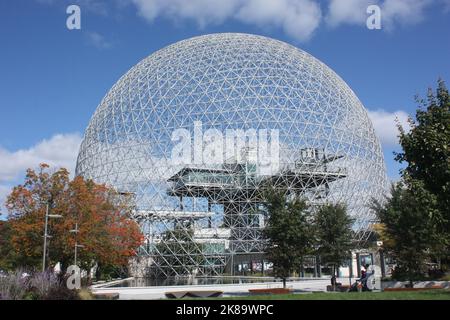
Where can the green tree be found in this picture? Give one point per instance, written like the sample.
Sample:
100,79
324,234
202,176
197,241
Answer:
426,150
9,259
289,232
179,251
334,234
410,219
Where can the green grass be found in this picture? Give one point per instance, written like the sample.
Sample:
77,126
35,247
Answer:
418,295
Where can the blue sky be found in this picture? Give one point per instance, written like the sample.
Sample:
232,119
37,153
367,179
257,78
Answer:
52,78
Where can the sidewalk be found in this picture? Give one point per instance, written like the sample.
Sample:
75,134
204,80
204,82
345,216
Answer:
151,293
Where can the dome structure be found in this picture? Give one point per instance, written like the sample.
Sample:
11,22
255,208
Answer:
195,131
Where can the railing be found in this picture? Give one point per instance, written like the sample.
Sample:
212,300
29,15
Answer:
221,180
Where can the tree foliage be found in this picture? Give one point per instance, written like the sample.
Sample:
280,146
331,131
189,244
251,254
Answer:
9,259
415,219
289,232
410,221
334,234
426,149
107,233
180,251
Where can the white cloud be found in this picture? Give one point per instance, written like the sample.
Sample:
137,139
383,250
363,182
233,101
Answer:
98,41
298,18
385,124
201,11
59,151
4,192
347,12
403,12
393,12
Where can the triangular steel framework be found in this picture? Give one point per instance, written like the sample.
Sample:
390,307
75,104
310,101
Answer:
229,82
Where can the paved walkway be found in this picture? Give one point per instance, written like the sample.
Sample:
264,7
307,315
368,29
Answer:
151,293
312,285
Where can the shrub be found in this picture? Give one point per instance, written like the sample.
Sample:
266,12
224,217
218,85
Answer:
62,293
50,286
42,283
14,285
38,286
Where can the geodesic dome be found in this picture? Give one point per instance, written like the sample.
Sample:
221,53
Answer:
201,214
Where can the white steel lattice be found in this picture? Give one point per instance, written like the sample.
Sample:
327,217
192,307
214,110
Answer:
198,217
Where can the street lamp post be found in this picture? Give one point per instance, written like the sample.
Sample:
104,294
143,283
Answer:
77,246
76,243
46,235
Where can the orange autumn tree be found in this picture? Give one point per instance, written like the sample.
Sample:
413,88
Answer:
109,236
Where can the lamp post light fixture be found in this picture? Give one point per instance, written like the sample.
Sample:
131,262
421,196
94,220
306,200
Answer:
46,235
76,246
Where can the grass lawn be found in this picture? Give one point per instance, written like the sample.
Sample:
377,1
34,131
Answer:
418,295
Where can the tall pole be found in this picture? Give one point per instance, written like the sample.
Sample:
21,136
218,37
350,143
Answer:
45,239
76,246
47,215
76,243
232,263
76,253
